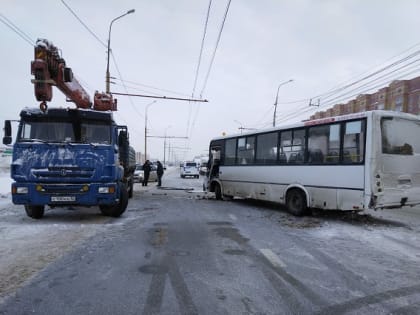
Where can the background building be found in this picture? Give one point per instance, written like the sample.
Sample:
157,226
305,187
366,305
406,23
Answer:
400,95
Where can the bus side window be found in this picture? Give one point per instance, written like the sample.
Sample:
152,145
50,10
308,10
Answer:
230,152
333,157
296,158
246,152
317,144
315,156
285,145
267,148
282,158
353,142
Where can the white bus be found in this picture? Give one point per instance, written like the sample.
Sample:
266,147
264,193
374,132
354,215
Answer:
351,162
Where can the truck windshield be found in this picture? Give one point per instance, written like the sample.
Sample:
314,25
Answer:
400,136
65,131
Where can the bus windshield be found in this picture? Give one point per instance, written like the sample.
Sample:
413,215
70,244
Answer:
400,136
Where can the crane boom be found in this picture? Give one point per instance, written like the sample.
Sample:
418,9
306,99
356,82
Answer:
49,69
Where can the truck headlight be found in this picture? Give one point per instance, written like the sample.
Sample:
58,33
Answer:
21,190
106,190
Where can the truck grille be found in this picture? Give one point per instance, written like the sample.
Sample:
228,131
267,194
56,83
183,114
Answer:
55,172
62,189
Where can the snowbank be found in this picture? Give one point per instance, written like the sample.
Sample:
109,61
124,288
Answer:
5,183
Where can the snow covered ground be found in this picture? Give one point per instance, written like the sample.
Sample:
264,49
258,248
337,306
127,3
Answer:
28,245
5,182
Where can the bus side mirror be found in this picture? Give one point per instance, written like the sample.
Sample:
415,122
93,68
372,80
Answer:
7,139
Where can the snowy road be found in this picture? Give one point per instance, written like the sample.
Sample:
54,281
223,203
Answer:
180,252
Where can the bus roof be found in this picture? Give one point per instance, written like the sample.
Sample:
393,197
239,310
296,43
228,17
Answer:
322,121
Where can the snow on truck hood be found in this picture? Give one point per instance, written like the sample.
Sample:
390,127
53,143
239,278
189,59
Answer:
61,163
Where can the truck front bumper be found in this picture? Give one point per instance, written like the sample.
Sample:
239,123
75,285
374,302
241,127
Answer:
65,194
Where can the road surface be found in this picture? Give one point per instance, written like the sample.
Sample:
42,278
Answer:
177,250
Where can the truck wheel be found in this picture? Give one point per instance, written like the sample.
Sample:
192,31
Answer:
130,189
296,202
35,212
119,208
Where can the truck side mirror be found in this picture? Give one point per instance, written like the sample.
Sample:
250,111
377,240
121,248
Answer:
7,139
122,138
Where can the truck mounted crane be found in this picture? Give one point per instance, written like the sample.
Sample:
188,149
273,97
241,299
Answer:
69,156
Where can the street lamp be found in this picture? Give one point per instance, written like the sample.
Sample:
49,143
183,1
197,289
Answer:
277,97
164,146
109,45
145,129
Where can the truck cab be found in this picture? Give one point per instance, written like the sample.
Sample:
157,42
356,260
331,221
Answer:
71,157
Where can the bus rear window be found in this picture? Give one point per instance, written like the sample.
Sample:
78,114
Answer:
400,136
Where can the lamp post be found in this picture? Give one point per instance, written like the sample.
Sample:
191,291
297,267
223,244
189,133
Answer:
277,97
109,45
164,146
145,129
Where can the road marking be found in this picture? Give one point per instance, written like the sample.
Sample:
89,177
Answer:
233,217
272,258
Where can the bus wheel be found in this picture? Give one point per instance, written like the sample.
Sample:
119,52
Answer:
34,212
218,192
296,202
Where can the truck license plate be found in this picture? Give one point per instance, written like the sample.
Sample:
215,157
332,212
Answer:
63,198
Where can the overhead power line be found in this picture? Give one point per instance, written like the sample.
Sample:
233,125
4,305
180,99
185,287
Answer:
201,48
375,67
162,97
125,88
328,94
151,87
306,110
190,130
398,69
340,86
368,85
215,49
85,26
198,66
16,30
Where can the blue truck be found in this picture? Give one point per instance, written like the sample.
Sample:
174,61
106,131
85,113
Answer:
69,156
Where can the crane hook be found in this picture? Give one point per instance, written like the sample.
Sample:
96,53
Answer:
43,106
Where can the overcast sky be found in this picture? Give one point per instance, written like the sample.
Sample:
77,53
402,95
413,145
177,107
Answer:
318,44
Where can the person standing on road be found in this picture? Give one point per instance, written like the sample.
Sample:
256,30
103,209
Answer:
159,173
146,172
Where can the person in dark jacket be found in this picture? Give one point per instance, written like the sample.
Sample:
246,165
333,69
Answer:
146,172
159,173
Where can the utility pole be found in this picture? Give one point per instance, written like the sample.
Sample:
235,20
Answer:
109,49
164,142
145,129
277,97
